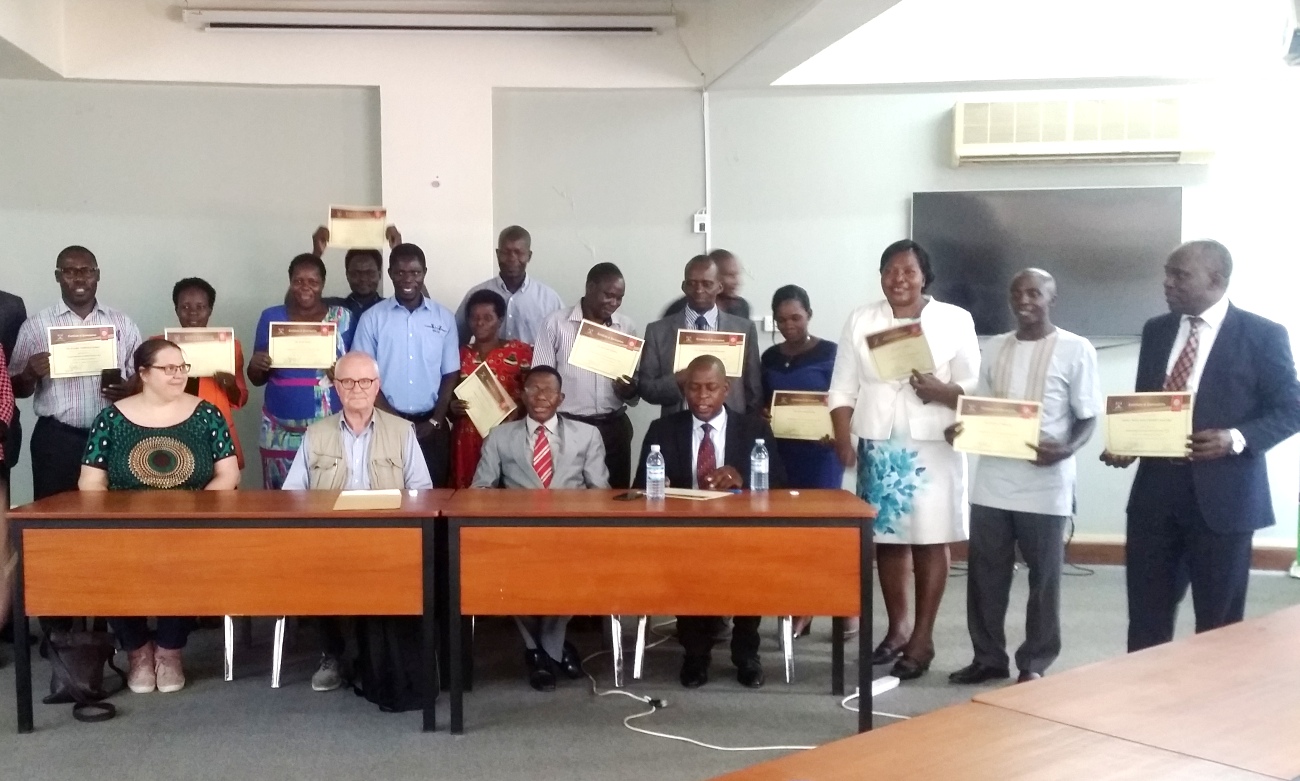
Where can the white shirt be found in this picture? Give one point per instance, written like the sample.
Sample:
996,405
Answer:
585,392
526,308
717,432
1208,332
1071,392
551,432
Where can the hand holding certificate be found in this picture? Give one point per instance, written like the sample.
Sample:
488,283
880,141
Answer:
296,345
1006,428
358,227
605,351
81,350
801,415
489,404
206,350
899,351
1149,425
726,346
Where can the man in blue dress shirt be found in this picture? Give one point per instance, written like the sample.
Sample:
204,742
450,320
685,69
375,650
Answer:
414,340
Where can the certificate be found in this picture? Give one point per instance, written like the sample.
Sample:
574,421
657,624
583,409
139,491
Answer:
998,427
378,499
604,351
303,345
81,350
900,350
489,404
726,346
206,350
800,415
1154,425
694,495
358,227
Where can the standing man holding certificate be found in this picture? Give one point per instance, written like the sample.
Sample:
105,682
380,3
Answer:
1025,505
66,406
591,398
898,409
413,338
528,301
656,380
1197,516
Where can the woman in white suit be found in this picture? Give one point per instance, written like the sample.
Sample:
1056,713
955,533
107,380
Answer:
905,469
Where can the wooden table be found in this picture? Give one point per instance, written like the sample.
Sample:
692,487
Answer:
1230,696
585,552
974,742
197,553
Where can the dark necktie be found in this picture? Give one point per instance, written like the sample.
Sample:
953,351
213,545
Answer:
1182,371
701,323
707,459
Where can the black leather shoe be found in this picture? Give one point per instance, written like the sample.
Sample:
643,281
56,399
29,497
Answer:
750,674
695,672
909,668
541,670
570,663
1026,677
884,654
978,673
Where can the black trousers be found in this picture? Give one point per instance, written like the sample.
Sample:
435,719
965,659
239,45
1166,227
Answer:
1168,550
616,434
56,451
14,441
697,635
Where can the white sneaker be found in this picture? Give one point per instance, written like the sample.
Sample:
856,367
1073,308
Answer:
168,672
329,676
140,676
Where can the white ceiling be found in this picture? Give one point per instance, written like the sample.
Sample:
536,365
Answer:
926,41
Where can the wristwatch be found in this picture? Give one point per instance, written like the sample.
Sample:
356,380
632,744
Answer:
435,422
1238,442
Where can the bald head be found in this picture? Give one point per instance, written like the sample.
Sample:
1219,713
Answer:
705,387
707,365
356,365
1196,276
1047,281
1033,291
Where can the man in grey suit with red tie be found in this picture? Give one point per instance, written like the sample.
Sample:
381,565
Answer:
1193,519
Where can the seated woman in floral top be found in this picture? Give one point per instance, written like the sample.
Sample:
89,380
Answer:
159,437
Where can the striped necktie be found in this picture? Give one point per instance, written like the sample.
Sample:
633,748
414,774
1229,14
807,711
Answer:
706,459
542,457
1182,371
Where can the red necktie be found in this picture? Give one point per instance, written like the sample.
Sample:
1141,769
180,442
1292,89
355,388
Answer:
706,460
1182,371
542,457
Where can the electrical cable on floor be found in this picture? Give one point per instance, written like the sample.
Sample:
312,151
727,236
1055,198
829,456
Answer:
1082,572
657,704
844,703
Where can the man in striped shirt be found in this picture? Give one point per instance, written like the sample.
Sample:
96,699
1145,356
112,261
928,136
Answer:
589,397
66,407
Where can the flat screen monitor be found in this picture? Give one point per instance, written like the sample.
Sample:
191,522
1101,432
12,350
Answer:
1106,248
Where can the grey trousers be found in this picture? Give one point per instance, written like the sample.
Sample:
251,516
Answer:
546,632
994,536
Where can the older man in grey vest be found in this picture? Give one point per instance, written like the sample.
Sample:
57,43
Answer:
357,449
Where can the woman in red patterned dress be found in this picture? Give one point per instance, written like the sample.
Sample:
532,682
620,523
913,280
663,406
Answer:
508,360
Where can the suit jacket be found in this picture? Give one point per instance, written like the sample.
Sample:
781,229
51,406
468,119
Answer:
577,457
1249,383
672,434
655,376
12,315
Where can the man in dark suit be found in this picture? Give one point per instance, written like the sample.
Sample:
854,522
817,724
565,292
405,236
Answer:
707,446
729,300
655,377
1194,518
13,312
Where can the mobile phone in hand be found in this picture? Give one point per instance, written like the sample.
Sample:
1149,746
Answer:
110,377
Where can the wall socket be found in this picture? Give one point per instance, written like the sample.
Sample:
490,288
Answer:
769,324
701,221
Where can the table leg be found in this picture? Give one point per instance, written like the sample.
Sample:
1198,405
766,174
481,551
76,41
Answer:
22,643
429,622
866,541
837,656
454,627
440,570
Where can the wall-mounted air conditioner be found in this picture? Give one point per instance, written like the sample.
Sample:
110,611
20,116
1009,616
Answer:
235,19
1123,130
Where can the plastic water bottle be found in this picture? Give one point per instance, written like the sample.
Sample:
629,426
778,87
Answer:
654,474
758,463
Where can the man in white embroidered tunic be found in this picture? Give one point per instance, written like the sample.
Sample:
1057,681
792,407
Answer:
1026,504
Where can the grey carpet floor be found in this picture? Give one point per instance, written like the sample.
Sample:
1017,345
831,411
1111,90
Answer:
246,730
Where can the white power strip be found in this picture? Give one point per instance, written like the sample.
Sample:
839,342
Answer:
883,684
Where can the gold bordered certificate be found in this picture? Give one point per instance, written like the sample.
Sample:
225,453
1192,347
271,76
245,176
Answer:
1154,425
604,351
81,350
303,345
801,415
358,227
207,350
726,346
998,427
900,350
489,404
